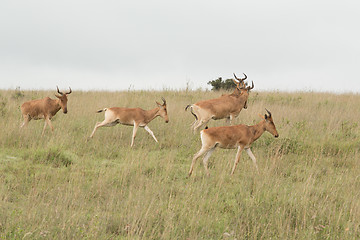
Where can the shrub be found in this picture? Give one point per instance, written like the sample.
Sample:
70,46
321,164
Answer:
220,84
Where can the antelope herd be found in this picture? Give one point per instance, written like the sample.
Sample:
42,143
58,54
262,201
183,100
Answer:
226,106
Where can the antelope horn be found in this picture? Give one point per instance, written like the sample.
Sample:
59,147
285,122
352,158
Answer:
268,112
240,79
163,99
252,86
59,91
69,92
245,76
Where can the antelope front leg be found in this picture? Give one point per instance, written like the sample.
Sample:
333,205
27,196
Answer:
48,122
151,133
50,125
42,134
136,126
237,159
251,155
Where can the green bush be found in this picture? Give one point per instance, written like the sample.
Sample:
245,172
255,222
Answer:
219,84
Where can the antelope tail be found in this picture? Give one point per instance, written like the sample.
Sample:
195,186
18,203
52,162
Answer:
102,110
191,109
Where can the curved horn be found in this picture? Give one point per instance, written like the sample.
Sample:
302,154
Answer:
59,91
240,79
252,86
163,99
236,77
245,76
268,112
69,92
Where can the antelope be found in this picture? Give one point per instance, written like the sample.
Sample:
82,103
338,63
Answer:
226,106
136,117
44,108
229,137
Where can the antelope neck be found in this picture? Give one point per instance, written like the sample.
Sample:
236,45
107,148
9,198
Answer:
258,129
151,114
237,93
57,105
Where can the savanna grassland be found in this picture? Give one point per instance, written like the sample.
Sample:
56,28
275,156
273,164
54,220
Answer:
62,186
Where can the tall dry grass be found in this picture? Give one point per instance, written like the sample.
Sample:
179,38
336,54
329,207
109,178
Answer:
62,187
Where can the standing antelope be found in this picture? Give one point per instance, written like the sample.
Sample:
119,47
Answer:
44,108
136,117
227,106
238,136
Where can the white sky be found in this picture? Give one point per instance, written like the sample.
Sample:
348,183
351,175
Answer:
115,45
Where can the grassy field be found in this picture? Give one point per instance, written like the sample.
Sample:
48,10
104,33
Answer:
62,187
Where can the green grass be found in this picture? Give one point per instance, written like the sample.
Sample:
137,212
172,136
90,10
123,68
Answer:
62,187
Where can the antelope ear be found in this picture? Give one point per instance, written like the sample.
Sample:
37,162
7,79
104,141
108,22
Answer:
235,81
262,116
58,96
160,105
266,117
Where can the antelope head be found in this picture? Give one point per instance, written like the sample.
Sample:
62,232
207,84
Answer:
63,99
247,90
162,110
240,83
269,124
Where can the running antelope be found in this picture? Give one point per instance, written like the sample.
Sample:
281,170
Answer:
227,106
136,117
44,108
238,136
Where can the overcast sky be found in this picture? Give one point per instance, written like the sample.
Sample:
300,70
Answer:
116,45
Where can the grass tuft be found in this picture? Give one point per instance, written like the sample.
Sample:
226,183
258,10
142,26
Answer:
52,156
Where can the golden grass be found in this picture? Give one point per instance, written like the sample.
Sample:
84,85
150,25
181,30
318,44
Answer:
62,187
